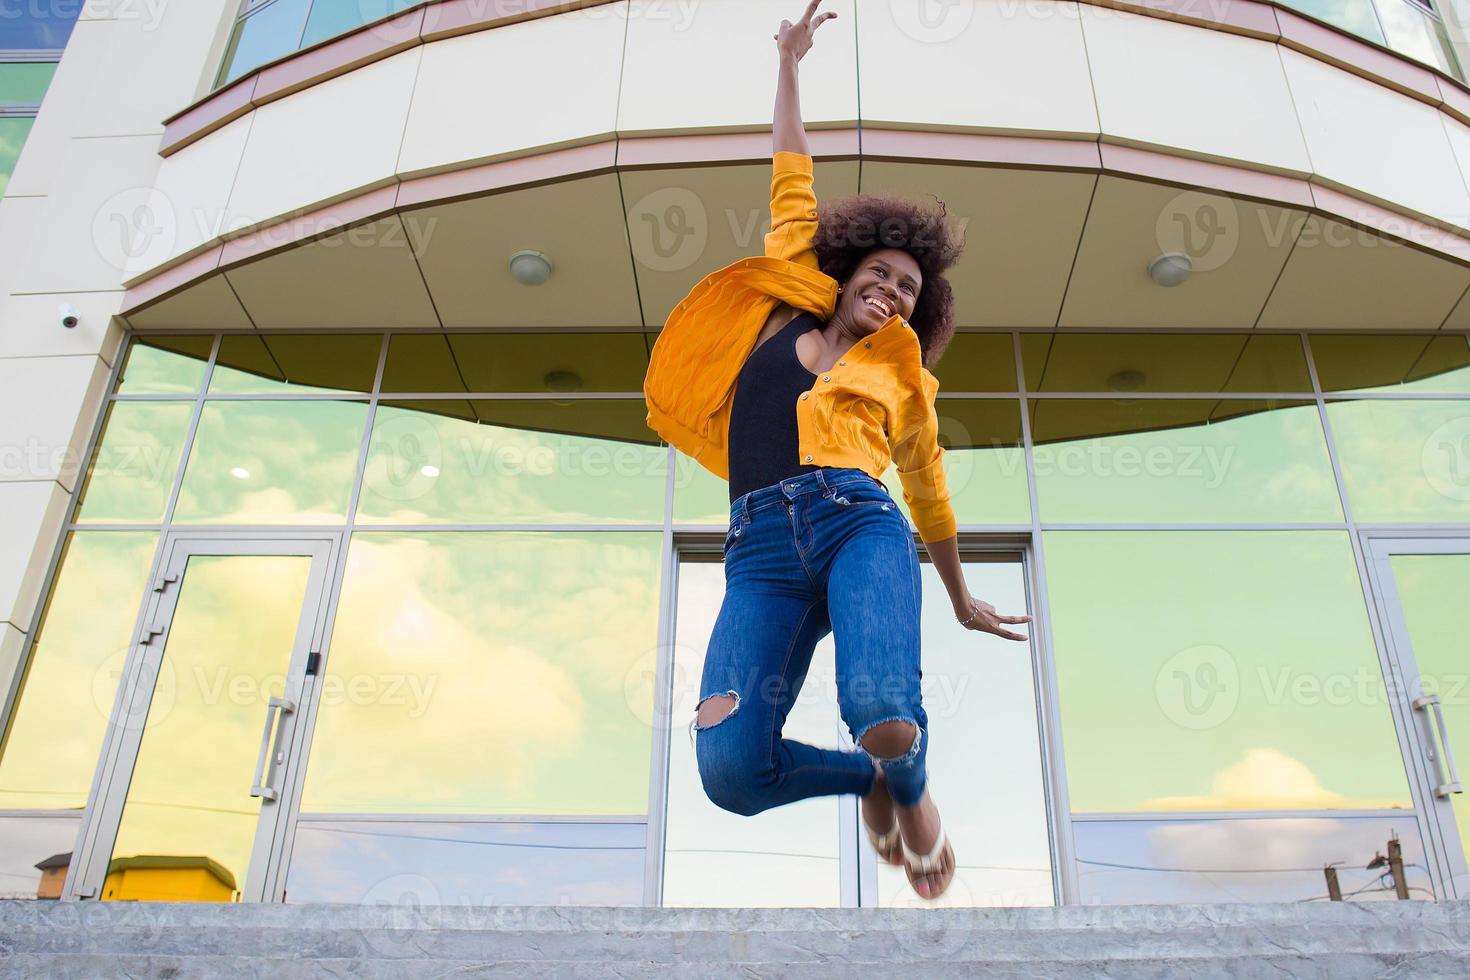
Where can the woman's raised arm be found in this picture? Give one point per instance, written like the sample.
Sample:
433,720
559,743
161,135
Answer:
793,41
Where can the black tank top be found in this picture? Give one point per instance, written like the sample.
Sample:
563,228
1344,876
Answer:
764,443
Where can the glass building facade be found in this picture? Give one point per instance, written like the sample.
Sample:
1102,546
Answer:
420,617
268,30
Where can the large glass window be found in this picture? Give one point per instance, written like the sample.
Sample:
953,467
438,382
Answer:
1218,670
504,574
1404,460
1177,461
67,691
489,672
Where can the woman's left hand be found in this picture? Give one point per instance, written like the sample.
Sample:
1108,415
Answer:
981,615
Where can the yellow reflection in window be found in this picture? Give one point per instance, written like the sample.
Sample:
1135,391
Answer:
136,460
67,694
533,461
1404,460
1162,460
272,462
188,827
490,672
1432,591
167,365
1218,670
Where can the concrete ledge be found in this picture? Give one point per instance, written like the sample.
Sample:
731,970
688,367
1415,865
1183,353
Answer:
1338,940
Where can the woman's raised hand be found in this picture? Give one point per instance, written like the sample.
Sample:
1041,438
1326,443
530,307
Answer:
982,616
795,40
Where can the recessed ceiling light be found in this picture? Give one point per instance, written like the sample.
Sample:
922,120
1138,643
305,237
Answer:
1127,379
429,470
562,380
530,267
1170,269
240,473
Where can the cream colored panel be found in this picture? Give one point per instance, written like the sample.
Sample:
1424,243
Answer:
1205,92
713,64
1459,136
537,83
187,206
1020,229
34,513
30,325
326,142
87,232
50,136
464,249
1237,249
1004,67
1340,277
1377,141
47,408
686,223
19,217
363,277
206,305
163,51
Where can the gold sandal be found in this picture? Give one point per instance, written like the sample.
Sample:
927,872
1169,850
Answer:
917,866
886,844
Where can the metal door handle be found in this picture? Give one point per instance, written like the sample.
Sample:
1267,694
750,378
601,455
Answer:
1444,789
262,785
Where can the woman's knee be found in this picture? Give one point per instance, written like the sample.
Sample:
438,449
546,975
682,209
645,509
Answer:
892,740
733,776
731,783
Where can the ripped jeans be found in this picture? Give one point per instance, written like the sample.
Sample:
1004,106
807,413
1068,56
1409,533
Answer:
825,551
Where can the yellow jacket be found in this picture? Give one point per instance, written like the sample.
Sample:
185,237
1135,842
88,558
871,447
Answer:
874,407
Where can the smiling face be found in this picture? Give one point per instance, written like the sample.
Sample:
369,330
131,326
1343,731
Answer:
885,282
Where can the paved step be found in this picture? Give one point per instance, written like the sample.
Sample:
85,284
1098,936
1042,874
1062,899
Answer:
177,941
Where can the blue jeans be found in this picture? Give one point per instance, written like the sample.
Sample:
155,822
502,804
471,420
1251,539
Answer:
824,551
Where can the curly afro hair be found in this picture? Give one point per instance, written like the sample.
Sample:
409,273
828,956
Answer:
849,228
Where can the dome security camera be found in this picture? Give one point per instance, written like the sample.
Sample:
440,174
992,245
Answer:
69,315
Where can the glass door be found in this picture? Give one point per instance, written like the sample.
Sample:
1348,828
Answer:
188,805
985,763
1422,585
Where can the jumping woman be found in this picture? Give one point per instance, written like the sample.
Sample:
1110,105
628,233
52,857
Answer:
799,376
